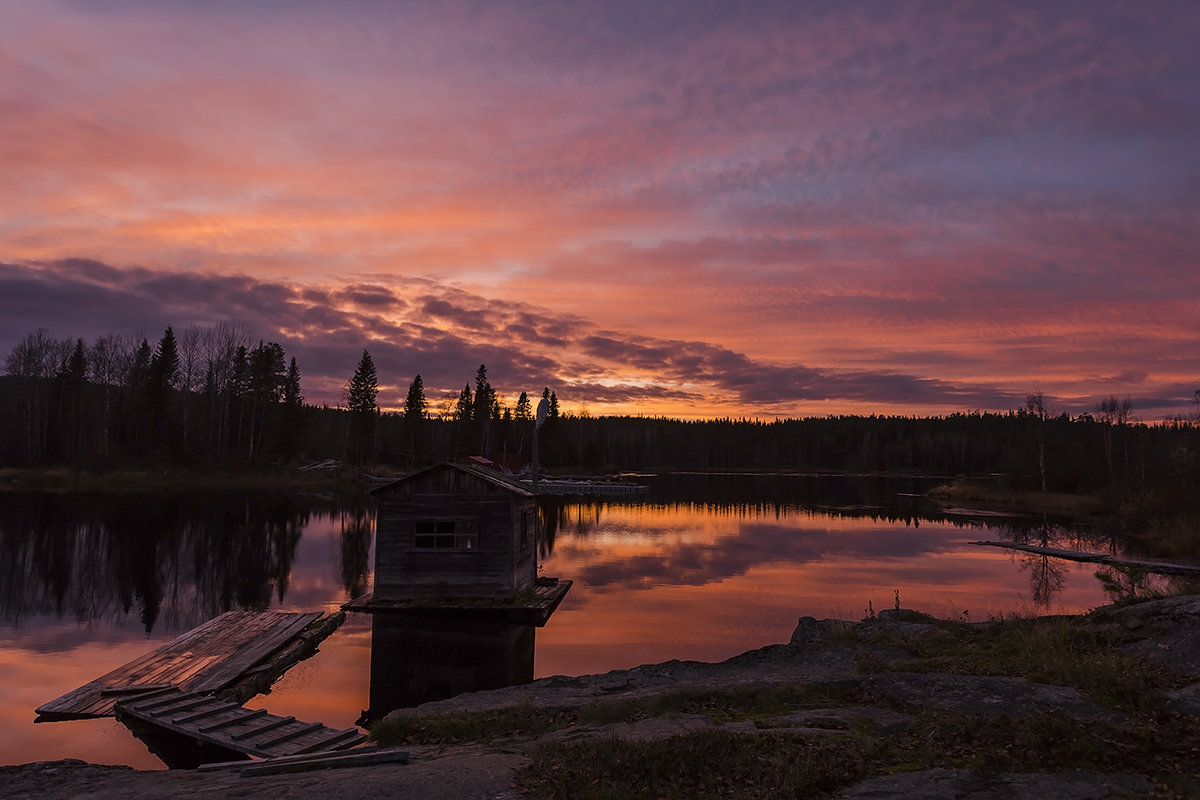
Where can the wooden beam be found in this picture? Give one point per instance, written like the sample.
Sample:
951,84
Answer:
283,737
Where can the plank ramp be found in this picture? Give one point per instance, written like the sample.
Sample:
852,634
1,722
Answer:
203,660
225,724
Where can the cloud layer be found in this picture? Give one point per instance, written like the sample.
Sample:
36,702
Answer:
690,209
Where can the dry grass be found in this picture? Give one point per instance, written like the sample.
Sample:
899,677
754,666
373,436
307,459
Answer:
1061,503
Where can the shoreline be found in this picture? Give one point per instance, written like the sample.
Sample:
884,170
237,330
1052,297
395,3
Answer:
897,705
133,480
1081,506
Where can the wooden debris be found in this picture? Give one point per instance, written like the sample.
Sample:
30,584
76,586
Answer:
206,659
226,725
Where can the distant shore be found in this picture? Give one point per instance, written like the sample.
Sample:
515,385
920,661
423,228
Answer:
58,479
352,478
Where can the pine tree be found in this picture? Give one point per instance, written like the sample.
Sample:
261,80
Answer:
293,416
463,408
164,364
483,411
415,405
139,370
524,410
360,399
363,387
292,397
416,410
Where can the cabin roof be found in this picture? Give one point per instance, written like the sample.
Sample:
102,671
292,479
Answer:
509,484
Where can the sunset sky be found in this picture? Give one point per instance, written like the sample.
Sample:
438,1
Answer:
677,208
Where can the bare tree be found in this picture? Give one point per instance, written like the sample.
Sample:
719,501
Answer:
37,358
1113,412
1036,405
109,361
189,340
221,345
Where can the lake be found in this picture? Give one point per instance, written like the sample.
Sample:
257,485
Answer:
700,567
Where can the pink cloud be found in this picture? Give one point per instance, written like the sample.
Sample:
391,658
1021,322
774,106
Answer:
965,198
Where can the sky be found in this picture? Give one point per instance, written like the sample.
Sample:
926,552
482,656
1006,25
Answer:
689,209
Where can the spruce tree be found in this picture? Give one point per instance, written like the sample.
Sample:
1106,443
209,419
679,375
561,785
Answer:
524,410
483,411
360,399
363,387
415,405
416,409
293,416
292,397
164,364
463,408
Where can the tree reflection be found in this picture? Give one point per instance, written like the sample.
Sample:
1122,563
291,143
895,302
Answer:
171,560
1047,576
356,532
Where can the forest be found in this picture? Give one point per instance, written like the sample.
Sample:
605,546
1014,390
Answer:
218,399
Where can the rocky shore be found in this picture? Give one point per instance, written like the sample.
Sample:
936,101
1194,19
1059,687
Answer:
901,705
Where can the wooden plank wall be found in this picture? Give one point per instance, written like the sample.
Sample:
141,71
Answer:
498,568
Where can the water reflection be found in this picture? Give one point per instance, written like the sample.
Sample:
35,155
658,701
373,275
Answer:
702,567
188,557
416,658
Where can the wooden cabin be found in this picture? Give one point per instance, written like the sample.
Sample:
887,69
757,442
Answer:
461,530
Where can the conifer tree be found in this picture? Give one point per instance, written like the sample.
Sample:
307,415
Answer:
416,410
523,411
463,408
415,405
363,387
164,364
360,399
292,397
293,418
483,410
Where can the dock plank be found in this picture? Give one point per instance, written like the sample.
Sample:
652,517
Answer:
253,732
204,659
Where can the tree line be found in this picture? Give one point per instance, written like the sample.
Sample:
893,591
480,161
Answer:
217,396
205,396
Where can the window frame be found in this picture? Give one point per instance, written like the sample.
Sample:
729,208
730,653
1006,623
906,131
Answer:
445,535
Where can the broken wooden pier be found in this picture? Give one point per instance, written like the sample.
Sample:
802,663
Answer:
234,656
209,721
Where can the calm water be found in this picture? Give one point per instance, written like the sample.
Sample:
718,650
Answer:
702,567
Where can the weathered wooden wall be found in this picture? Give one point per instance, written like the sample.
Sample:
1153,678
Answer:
503,563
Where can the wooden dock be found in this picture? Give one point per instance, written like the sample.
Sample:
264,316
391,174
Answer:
531,607
1156,567
226,725
239,652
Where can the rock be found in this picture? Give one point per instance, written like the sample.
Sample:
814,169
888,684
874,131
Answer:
810,630
1186,700
952,784
884,721
979,694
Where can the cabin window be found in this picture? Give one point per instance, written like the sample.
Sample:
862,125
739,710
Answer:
444,534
